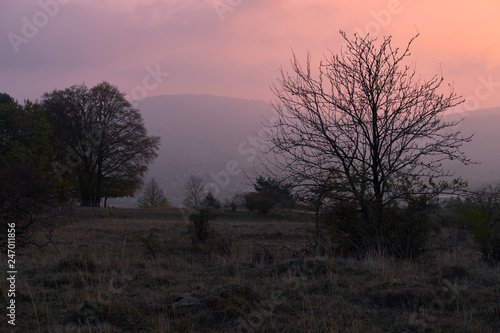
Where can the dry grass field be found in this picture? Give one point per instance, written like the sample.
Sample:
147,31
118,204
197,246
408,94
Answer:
130,271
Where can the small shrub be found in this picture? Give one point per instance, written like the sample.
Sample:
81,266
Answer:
151,244
259,202
407,230
200,223
341,227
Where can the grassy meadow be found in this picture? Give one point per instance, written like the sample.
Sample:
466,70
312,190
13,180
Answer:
139,271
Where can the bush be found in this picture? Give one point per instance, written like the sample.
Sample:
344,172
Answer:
200,223
407,229
482,214
238,200
259,202
450,214
264,205
151,244
341,227
251,201
28,182
405,232
276,192
25,198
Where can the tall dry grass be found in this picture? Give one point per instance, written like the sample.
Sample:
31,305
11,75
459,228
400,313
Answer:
141,274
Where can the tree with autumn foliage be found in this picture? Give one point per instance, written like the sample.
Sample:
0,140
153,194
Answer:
100,142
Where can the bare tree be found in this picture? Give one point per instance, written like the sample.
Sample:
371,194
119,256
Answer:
366,128
152,196
194,191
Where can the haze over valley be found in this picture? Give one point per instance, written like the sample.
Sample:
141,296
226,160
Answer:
201,134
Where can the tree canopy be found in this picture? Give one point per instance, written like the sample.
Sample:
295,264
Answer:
100,141
26,180
24,134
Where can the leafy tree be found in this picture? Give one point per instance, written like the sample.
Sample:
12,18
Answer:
119,187
194,190
367,129
6,99
24,134
152,196
100,141
26,182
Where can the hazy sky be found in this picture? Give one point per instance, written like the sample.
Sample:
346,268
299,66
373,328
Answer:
233,47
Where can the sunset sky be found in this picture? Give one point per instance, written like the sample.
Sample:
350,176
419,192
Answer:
233,47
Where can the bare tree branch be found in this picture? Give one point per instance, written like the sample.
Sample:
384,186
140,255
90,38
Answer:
365,128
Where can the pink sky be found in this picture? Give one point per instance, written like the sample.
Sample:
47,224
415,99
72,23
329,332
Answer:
233,47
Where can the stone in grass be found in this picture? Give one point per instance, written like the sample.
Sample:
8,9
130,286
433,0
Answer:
186,301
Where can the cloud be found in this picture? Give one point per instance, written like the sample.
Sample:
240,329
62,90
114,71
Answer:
94,40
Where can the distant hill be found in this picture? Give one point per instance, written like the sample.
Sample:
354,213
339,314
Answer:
208,135
484,148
